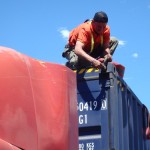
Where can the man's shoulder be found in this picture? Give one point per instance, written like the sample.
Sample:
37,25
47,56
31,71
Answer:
86,26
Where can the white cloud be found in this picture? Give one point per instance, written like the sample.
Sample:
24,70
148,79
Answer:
135,55
64,33
122,42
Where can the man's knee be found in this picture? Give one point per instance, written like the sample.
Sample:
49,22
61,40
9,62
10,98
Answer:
113,44
73,58
114,40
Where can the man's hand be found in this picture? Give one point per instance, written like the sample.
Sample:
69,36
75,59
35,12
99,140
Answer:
97,64
108,58
101,60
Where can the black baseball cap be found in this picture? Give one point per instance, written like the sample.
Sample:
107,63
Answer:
100,17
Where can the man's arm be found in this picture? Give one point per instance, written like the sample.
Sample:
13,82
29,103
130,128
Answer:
107,53
81,53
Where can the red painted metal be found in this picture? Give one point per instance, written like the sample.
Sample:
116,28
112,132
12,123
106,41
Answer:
7,146
120,69
37,103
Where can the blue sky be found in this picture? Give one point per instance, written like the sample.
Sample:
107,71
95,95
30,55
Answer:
39,29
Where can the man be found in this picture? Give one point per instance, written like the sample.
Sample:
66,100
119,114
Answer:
90,41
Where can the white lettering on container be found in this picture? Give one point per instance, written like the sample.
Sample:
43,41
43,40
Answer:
83,119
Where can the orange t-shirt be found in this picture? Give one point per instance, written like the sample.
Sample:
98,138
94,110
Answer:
83,34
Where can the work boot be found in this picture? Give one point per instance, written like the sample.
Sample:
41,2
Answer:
71,66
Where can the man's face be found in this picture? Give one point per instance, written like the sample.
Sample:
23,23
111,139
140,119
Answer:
99,27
